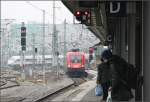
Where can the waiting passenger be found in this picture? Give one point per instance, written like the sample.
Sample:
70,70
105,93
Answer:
103,77
119,90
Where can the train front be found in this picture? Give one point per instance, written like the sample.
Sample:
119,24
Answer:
75,63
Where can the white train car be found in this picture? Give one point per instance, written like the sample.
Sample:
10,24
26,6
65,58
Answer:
28,60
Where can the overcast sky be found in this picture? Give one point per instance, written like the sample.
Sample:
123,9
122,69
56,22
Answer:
24,12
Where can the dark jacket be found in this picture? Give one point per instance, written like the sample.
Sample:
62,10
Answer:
120,91
103,75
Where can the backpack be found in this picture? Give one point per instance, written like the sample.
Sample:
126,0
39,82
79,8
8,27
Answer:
131,76
130,73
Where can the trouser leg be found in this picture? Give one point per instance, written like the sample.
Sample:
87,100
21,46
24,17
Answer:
105,90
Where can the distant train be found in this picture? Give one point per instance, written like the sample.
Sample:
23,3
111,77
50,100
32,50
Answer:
75,63
28,60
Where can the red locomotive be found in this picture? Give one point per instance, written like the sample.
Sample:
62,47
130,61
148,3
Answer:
75,63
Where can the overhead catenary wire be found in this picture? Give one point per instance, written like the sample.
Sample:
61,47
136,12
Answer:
42,10
43,40
33,5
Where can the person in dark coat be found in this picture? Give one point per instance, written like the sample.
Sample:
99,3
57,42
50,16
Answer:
103,78
119,90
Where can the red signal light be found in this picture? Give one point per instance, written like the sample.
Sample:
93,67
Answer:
78,13
83,16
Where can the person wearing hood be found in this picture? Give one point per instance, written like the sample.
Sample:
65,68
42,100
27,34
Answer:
116,72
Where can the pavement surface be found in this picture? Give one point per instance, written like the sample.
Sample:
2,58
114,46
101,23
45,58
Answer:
91,97
83,93
77,94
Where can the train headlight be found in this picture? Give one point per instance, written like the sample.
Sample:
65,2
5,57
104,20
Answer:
69,66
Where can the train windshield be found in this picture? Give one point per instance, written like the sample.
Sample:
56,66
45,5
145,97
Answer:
76,59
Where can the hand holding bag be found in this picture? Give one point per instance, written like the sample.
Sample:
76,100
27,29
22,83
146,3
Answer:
98,90
109,97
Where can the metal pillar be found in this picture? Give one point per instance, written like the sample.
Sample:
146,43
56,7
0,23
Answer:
1,48
43,47
54,42
6,32
119,46
53,36
131,28
65,48
123,38
117,38
146,51
23,75
33,45
138,50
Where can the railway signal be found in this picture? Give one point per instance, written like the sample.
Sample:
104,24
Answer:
36,50
83,16
87,17
91,50
23,45
23,37
78,15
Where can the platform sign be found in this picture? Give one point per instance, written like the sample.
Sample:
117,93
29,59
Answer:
116,9
109,38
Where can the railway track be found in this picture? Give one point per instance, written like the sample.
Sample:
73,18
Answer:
2,83
77,82
8,84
